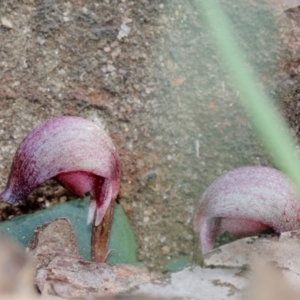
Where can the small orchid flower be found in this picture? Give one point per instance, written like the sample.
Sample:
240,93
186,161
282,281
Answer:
244,202
77,153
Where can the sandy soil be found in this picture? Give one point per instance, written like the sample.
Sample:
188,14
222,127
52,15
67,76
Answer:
147,71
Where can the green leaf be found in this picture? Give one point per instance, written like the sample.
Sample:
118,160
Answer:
176,264
122,242
21,228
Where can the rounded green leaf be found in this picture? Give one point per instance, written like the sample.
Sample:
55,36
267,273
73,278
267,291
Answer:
122,245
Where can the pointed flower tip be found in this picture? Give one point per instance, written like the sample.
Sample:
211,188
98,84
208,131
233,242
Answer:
8,197
244,202
76,152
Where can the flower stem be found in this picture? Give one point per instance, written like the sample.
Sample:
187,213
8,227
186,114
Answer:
100,236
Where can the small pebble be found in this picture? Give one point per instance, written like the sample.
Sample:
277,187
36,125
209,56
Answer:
150,175
110,68
114,44
162,239
165,250
6,23
62,199
148,90
124,31
116,52
60,191
147,213
40,199
140,163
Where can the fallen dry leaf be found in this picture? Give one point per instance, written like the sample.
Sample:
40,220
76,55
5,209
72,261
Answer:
51,239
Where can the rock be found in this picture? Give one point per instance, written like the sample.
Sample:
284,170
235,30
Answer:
6,23
124,31
51,239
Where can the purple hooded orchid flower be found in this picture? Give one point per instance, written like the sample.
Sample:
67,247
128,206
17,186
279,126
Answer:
74,151
244,202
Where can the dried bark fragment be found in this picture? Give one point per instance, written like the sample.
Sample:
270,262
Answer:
51,239
70,277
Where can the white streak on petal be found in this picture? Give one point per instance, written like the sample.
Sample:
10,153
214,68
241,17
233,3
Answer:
91,211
